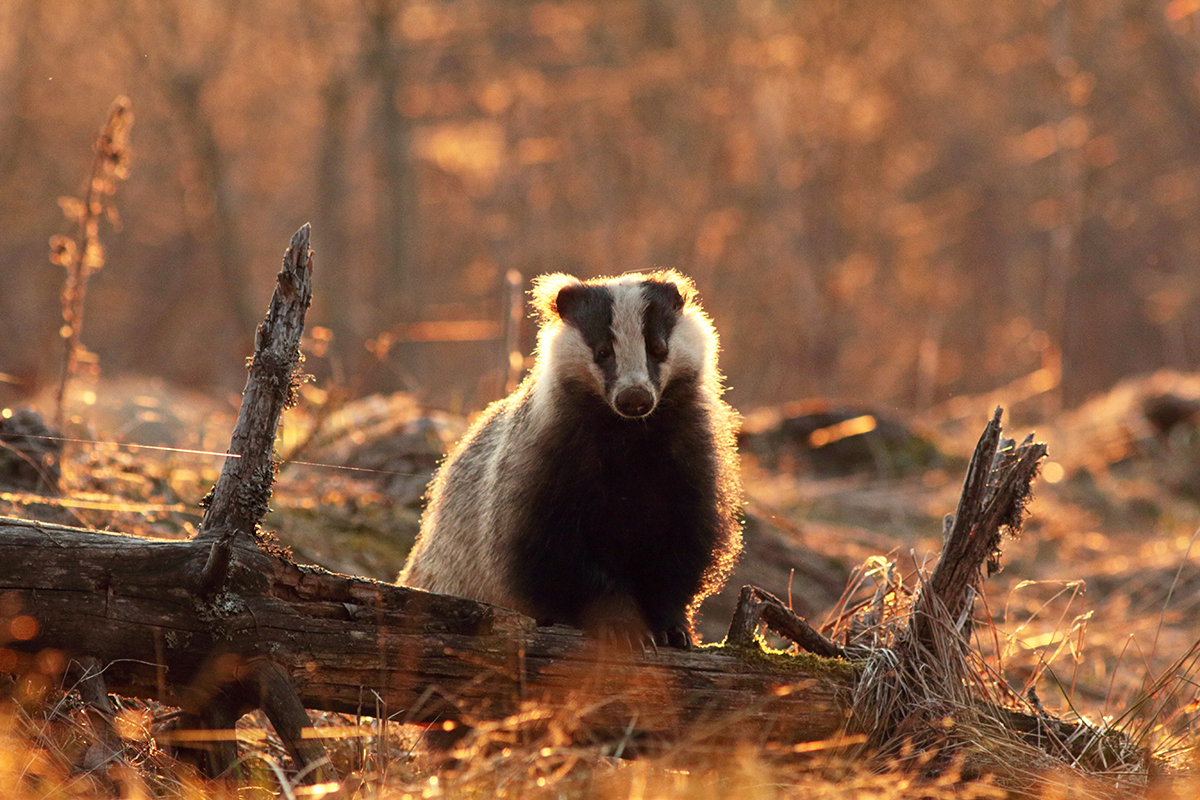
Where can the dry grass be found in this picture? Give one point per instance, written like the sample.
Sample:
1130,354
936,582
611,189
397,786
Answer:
45,755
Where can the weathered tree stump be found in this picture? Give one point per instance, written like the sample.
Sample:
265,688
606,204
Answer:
994,495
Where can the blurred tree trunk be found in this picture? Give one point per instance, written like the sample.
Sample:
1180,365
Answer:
396,206
1175,65
218,224
27,343
15,101
330,201
1063,256
181,66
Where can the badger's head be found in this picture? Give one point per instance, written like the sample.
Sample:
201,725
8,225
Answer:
625,338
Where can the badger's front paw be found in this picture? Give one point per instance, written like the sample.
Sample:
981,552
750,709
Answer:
649,641
617,621
621,636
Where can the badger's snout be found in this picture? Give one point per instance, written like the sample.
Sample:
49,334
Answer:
634,401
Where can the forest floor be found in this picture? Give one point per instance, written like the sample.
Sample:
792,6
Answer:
1095,606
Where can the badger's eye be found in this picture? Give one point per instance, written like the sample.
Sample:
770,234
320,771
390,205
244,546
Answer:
603,353
657,349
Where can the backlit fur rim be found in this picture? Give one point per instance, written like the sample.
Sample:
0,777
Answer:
546,288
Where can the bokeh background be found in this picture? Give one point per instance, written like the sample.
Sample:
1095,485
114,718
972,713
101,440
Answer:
888,201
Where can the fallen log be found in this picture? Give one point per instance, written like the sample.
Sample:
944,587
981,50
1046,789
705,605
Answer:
358,646
362,647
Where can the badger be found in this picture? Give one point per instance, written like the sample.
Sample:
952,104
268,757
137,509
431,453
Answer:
603,493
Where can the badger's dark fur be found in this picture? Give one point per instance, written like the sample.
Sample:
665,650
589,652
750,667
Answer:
602,493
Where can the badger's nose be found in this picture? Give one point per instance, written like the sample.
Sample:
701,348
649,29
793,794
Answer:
635,401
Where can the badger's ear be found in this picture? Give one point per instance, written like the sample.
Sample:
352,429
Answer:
547,290
678,288
569,300
678,301
664,294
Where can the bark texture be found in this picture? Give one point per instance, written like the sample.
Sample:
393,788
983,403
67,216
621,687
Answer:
359,646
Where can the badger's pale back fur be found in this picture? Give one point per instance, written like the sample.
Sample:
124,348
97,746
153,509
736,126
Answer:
603,493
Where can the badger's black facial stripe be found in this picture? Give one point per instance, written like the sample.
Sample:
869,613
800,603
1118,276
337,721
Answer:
589,309
663,303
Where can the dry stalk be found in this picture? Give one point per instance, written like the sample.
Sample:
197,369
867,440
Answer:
81,254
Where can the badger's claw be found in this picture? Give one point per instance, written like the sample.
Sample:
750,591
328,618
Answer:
618,622
616,636
676,636
628,637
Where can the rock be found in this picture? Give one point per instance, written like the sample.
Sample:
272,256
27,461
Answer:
824,440
394,438
29,453
1144,432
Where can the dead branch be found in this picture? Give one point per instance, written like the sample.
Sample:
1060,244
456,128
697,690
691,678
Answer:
239,500
757,606
995,492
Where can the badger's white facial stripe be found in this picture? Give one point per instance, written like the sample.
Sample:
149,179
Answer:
691,347
629,344
562,354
